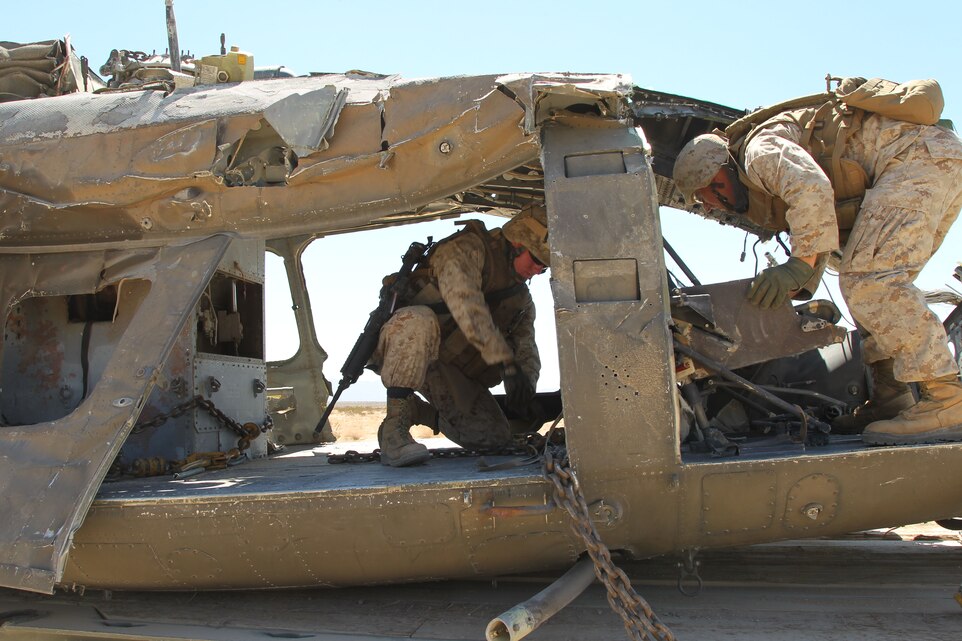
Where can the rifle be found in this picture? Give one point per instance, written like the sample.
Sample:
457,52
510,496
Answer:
367,342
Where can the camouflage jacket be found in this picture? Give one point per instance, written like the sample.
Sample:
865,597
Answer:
775,163
485,312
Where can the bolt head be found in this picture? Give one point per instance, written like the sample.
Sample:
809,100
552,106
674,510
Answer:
812,511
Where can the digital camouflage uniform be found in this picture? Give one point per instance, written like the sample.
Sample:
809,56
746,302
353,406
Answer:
914,196
453,356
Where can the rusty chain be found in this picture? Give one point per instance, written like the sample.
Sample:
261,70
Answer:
246,433
523,445
641,623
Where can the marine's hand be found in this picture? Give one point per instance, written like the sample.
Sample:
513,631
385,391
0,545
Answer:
776,285
519,392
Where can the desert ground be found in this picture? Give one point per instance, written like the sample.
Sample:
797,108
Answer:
358,421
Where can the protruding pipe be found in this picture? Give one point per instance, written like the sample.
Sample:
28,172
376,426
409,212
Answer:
678,261
524,618
172,42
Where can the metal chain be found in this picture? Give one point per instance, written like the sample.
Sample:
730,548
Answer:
246,433
524,445
160,419
641,623
353,456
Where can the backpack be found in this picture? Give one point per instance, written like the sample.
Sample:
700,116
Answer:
828,119
915,101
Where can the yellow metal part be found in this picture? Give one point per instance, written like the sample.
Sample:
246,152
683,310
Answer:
233,66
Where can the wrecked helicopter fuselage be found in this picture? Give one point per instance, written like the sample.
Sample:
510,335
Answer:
133,227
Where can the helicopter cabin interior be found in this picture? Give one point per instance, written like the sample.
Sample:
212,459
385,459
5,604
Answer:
55,345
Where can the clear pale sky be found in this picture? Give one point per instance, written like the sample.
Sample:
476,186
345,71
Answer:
740,54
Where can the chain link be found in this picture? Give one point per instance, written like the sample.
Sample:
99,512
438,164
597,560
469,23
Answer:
641,623
353,456
160,419
246,433
523,445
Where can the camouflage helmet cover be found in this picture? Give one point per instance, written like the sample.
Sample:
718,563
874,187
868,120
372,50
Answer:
529,228
697,163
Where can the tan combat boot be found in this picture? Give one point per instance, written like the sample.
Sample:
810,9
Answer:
936,418
398,447
889,397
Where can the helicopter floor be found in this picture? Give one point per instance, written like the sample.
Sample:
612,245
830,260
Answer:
307,469
776,447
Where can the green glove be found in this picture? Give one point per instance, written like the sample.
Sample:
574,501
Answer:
776,285
519,392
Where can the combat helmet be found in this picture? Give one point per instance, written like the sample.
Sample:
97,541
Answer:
697,163
529,228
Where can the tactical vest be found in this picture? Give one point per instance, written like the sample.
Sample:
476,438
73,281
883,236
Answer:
826,124
507,299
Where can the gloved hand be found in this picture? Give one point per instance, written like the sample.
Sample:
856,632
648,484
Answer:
775,285
518,390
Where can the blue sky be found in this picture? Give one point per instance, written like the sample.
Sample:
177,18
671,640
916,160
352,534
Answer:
741,54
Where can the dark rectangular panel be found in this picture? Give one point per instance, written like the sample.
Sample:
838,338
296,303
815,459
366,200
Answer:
612,162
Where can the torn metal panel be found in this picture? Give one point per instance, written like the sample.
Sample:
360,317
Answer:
305,121
86,115
740,334
50,471
545,95
265,159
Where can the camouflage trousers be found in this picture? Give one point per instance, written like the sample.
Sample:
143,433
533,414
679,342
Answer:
407,355
903,220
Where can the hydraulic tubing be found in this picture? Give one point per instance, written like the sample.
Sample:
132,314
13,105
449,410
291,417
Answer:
745,384
741,398
678,261
798,392
524,618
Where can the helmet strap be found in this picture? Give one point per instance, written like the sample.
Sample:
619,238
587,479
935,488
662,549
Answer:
740,206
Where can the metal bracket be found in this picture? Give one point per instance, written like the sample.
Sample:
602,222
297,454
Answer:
688,570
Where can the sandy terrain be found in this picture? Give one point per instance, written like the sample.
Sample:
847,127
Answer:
359,421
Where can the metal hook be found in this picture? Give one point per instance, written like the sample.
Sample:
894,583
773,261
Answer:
688,569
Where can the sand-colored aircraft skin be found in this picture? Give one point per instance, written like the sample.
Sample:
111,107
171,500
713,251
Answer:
151,195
